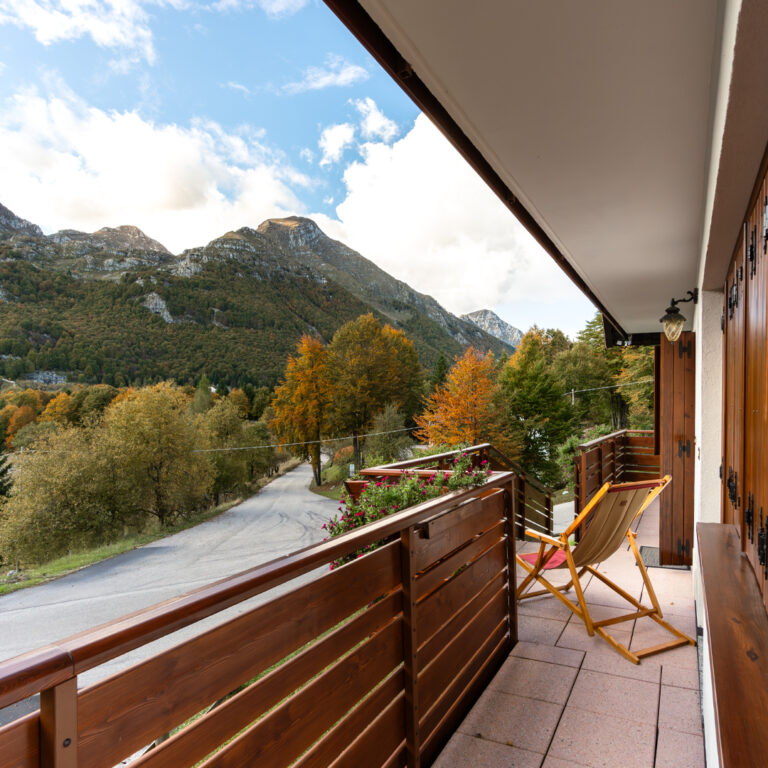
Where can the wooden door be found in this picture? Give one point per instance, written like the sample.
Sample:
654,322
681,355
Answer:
677,400
733,364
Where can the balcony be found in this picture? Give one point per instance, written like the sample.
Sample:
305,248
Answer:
382,661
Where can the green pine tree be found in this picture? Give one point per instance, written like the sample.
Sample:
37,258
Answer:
6,480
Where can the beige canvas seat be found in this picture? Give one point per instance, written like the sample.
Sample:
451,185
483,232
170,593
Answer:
609,517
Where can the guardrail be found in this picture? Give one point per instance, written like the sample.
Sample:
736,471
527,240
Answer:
533,499
373,663
625,455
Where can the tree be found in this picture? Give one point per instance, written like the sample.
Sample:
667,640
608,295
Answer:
153,442
370,366
439,374
636,376
259,401
203,398
59,410
21,417
240,400
537,413
6,478
464,410
223,428
390,441
302,402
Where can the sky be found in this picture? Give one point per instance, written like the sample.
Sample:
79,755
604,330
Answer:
189,119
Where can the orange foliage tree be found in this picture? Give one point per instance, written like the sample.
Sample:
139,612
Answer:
465,409
302,401
21,417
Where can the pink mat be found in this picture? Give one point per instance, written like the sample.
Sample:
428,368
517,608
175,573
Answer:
554,562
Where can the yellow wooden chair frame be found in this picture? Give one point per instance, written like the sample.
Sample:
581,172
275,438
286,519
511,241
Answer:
613,510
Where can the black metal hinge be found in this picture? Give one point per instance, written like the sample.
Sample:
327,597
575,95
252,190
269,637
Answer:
765,224
720,470
752,252
683,448
684,349
683,550
740,273
749,516
722,323
732,485
733,299
761,541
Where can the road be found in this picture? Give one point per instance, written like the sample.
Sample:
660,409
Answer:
283,517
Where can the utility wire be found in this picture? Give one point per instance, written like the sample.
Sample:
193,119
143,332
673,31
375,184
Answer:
303,442
611,386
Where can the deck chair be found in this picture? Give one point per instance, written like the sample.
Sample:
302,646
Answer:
609,516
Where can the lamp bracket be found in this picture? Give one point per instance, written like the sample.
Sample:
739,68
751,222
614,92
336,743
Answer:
690,296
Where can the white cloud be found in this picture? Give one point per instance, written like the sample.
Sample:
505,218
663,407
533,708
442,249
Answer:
374,124
118,24
335,72
421,213
334,140
239,87
307,155
110,23
69,165
273,8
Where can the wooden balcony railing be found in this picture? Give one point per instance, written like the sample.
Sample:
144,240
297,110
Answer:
370,664
619,457
533,499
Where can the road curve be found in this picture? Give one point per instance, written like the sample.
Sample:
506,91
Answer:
282,517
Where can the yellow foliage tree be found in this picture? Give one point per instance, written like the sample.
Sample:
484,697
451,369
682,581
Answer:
302,400
58,410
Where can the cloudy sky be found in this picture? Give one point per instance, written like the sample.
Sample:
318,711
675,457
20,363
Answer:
189,119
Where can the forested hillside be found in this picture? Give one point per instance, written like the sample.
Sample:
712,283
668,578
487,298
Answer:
116,307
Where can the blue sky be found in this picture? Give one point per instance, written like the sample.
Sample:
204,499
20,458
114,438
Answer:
190,119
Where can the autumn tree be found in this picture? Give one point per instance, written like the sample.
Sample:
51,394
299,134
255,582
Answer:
203,398
302,402
241,402
20,418
223,428
464,410
390,440
536,412
370,366
154,443
59,410
637,381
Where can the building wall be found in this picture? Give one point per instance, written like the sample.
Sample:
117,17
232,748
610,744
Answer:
706,484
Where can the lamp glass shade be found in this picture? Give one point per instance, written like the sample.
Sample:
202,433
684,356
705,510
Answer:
673,325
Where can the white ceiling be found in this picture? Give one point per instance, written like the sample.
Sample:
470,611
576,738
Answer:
596,114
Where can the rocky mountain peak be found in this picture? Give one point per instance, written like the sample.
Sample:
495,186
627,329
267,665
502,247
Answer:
11,224
128,237
292,231
491,323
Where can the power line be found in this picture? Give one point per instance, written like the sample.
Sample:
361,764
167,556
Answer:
303,442
611,386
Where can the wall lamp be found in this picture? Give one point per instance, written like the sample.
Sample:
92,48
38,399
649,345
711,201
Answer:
673,321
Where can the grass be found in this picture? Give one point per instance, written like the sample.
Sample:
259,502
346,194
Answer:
563,495
329,491
62,566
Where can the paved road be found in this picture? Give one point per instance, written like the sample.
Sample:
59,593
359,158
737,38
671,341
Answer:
283,517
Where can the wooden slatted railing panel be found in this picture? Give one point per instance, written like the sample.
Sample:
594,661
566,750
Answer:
20,743
324,675
129,710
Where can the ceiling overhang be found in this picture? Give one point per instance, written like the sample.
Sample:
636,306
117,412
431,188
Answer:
590,120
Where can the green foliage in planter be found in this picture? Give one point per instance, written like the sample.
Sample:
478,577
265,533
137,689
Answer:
381,498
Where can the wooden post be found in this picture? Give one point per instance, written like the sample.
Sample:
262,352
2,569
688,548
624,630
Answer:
509,512
519,495
412,712
582,498
58,725
550,521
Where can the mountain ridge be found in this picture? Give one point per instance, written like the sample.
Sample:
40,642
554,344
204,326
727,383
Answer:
261,287
491,323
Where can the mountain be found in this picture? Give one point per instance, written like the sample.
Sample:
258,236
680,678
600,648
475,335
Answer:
491,323
117,306
11,224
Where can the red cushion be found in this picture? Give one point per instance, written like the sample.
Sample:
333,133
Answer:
554,562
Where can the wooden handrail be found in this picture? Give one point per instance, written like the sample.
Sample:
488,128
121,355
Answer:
26,674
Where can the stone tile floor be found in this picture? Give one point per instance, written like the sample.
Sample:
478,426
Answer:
564,699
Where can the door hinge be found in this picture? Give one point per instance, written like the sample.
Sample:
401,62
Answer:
722,323
752,252
740,274
733,299
684,349
732,485
720,470
684,448
765,224
749,517
683,550
761,541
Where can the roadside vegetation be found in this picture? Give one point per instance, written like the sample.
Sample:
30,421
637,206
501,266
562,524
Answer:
95,466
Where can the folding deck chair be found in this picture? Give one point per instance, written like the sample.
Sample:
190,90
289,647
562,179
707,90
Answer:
611,513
